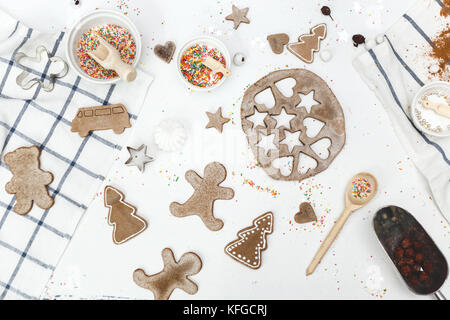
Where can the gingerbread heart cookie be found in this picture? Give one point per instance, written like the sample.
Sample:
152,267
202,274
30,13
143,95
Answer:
277,42
165,52
306,213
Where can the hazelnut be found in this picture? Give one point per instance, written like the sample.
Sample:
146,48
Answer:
410,252
398,253
406,243
428,267
423,276
419,257
405,270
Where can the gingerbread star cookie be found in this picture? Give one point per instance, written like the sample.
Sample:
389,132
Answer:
216,120
252,240
238,16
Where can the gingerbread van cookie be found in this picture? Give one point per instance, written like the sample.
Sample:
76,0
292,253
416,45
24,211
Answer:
306,213
174,275
89,119
252,240
206,192
325,110
277,42
122,216
29,182
308,44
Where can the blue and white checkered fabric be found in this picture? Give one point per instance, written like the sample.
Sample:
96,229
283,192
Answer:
395,70
31,245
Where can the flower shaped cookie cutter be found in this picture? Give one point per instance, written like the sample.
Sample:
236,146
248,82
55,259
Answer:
25,84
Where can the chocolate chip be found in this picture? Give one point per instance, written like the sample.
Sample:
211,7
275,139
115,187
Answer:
358,39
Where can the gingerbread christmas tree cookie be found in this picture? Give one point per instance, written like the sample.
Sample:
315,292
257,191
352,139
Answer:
252,240
122,216
308,43
207,191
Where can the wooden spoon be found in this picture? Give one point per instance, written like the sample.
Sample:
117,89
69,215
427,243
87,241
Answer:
216,66
352,203
440,108
109,58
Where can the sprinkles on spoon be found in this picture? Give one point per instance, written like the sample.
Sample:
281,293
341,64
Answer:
194,71
115,35
361,188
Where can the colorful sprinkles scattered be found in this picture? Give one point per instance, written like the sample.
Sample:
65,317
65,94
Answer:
117,36
193,69
361,188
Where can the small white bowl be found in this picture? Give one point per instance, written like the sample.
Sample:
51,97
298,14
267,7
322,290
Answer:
212,43
429,115
89,21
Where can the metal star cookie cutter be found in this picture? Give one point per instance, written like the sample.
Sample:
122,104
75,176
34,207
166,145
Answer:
21,78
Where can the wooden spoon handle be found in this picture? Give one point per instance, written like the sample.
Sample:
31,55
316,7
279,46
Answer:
328,241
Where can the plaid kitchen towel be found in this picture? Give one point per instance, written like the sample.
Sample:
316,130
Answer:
395,70
31,245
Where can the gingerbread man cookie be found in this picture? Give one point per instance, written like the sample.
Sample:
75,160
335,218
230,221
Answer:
29,182
174,275
207,190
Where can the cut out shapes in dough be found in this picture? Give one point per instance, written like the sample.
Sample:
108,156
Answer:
313,126
326,109
321,148
308,101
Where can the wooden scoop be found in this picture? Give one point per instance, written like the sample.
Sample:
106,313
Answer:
440,108
109,58
216,66
352,203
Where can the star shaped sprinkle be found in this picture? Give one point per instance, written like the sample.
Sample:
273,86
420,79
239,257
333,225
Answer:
216,120
238,16
138,157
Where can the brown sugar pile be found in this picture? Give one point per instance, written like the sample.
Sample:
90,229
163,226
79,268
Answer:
445,11
441,50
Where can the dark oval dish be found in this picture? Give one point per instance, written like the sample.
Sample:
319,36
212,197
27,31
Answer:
415,255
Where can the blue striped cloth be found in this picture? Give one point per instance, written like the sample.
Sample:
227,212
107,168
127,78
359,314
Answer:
395,70
31,245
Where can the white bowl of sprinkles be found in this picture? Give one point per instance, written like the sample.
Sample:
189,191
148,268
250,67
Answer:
193,73
113,22
428,120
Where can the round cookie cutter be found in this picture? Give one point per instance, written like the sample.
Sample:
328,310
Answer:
211,43
89,21
425,119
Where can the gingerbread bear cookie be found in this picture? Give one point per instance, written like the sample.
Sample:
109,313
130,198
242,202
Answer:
207,190
122,216
29,182
174,275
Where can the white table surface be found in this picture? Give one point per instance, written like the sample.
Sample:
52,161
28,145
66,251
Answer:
356,266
